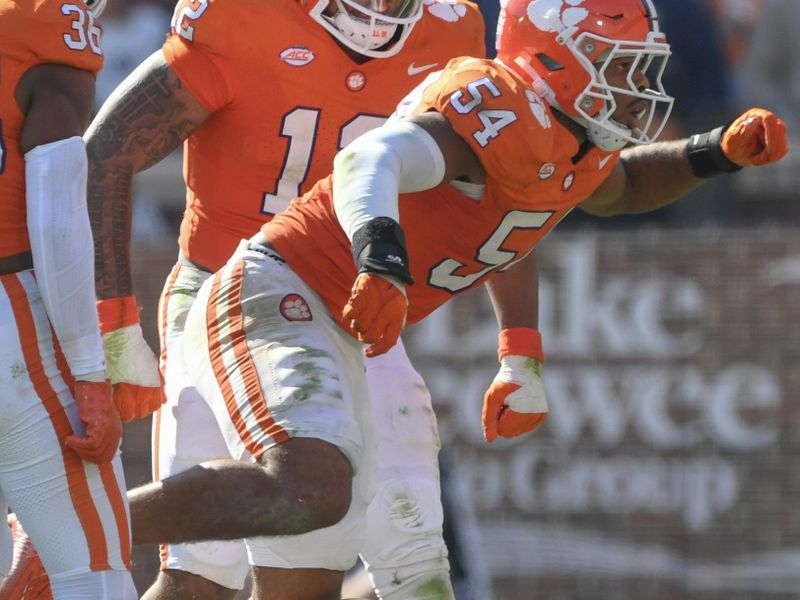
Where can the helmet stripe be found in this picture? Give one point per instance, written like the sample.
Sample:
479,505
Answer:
652,15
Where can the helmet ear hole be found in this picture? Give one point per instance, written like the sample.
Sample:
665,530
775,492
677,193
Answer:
549,63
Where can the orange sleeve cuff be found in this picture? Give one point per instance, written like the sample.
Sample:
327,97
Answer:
116,313
195,66
520,341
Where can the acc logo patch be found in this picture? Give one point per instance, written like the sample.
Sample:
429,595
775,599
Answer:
295,308
297,56
553,16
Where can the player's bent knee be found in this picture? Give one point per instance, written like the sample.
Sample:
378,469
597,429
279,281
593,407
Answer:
329,498
317,474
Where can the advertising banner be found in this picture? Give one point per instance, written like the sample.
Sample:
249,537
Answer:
669,465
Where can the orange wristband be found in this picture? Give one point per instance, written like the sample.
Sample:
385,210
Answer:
116,313
520,341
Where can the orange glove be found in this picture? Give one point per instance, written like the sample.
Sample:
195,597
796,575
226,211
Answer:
130,363
757,137
101,420
515,402
27,577
375,312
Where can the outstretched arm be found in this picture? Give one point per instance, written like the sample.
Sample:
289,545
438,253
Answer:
649,177
645,179
145,119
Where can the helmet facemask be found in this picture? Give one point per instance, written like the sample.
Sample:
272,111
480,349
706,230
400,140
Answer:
596,104
570,53
366,26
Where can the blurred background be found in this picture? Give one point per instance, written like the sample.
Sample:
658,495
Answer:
667,469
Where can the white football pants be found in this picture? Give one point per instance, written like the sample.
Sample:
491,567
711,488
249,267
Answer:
402,546
75,512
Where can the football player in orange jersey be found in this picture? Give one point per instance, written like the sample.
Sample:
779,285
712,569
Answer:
483,159
59,430
265,94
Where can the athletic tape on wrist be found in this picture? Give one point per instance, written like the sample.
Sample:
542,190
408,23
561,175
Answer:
520,341
116,313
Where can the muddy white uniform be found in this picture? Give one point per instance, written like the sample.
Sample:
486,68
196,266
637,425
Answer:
263,339
247,162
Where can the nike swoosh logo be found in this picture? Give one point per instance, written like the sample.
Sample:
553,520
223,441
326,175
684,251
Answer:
602,162
413,70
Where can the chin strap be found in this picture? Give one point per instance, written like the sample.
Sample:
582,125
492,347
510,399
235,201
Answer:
603,138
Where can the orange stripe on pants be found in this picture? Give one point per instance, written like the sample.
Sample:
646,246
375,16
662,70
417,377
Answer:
118,507
244,362
73,466
107,475
220,372
247,367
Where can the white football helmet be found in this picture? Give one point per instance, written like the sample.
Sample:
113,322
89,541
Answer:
97,6
367,26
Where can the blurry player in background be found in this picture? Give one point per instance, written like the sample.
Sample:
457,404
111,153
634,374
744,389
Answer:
264,95
484,159
59,430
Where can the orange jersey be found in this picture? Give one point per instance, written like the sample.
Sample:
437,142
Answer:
34,32
285,97
456,243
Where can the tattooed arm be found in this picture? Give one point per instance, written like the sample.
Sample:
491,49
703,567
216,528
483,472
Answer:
144,120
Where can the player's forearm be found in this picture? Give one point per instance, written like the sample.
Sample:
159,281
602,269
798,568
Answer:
515,294
657,175
146,118
109,202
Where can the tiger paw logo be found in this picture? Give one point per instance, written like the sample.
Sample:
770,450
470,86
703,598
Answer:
447,10
295,308
538,108
556,15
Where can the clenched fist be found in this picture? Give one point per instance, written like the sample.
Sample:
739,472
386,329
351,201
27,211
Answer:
757,137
